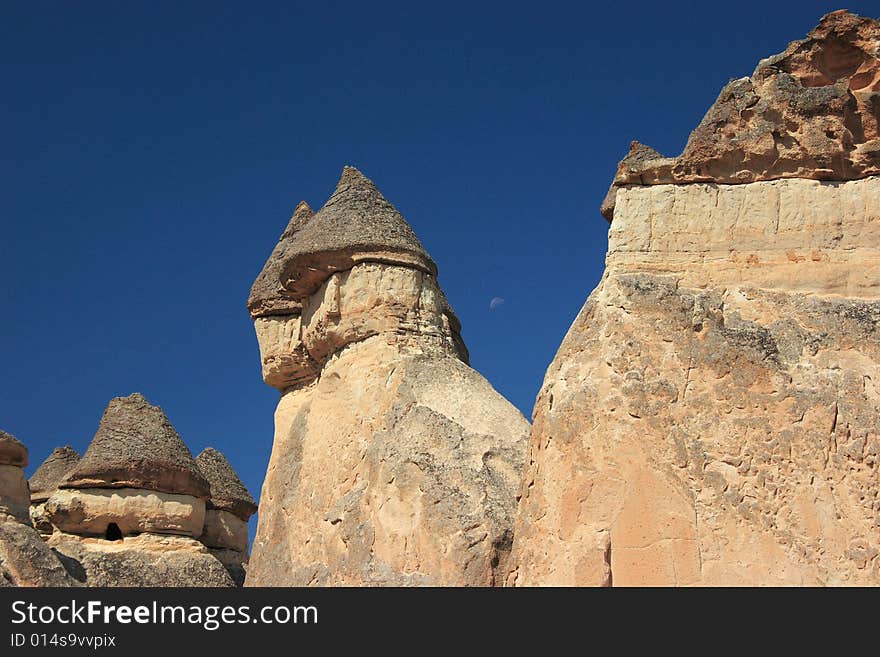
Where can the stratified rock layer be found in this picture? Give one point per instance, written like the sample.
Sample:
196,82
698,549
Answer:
812,111
394,463
147,560
12,451
52,472
91,511
713,415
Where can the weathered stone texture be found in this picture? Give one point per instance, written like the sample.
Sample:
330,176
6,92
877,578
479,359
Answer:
147,560
89,512
706,436
137,447
812,111
394,463
25,560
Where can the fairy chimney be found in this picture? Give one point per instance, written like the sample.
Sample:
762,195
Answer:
394,463
25,560
45,481
132,508
229,507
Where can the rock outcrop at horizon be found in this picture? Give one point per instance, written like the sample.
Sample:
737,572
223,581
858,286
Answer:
394,463
711,417
131,511
25,560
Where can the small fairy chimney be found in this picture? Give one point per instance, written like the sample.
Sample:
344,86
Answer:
14,498
25,560
45,481
132,508
227,513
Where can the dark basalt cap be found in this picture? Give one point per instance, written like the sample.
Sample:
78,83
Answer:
228,493
268,295
356,224
136,447
51,472
12,451
812,111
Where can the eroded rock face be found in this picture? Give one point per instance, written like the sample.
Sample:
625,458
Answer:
12,451
137,447
394,463
13,483
812,111
45,481
146,560
225,530
14,496
25,560
90,511
130,511
711,418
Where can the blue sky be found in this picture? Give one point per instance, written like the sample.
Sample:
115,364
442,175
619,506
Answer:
153,152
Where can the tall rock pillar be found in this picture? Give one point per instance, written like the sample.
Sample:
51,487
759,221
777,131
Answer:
394,463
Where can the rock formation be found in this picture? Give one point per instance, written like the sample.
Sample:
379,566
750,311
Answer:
25,560
811,112
226,514
711,417
131,510
45,481
394,463
14,496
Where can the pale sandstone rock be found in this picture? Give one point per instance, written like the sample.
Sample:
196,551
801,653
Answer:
89,512
146,560
230,506
12,451
25,560
796,235
394,463
14,495
812,111
225,531
717,436
137,447
45,481
711,417
130,511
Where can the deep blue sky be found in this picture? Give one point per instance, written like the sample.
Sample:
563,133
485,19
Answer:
153,152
